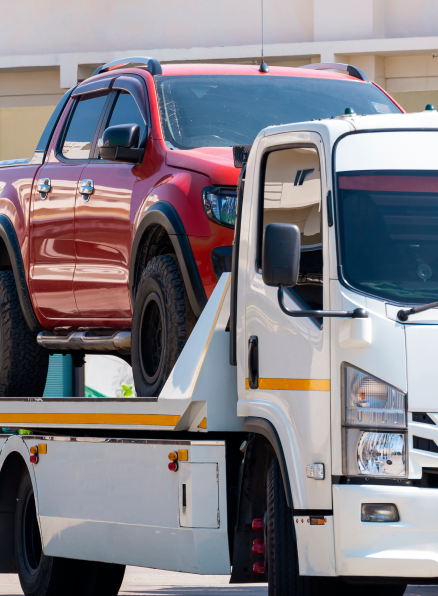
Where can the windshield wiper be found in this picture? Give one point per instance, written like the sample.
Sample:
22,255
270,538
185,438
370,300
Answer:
403,315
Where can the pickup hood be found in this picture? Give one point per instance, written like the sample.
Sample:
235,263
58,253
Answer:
215,162
422,367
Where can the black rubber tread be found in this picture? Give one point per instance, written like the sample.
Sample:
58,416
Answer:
163,276
23,363
282,565
57,576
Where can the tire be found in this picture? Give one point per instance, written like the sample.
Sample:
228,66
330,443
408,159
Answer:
41,575
23,363
158,325
281,559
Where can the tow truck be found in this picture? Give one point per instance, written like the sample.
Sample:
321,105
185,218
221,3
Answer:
295,440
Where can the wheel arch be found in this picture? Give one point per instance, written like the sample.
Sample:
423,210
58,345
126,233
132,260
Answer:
11,259
163,216
13,466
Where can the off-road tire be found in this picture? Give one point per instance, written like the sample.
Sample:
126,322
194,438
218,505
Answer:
41,575
281,558
23,363
158,325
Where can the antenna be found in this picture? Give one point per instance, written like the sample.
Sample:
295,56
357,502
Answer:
263,66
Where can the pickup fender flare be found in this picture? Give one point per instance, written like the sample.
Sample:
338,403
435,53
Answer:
261,426
164,215
9,237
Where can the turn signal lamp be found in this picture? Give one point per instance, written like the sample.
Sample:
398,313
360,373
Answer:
379,512
34,449
173,456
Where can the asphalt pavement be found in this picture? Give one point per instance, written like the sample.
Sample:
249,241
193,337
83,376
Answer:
153,582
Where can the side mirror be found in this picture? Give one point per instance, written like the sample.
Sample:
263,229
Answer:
120,143
281,254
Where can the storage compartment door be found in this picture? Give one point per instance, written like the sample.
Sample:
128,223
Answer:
199,495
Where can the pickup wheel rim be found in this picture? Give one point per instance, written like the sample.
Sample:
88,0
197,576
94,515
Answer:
31,539
152,337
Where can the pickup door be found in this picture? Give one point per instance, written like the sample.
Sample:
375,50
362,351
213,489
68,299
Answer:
53,255
103,221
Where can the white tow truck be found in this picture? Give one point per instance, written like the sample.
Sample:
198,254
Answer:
296,440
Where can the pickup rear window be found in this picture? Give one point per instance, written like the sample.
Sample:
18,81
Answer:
227,110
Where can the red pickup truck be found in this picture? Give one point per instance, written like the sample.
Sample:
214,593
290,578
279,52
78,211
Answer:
122,221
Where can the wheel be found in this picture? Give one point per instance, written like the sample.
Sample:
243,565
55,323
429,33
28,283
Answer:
158,325
23,363
41,575
281,558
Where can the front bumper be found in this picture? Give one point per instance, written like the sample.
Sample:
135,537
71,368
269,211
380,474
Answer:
408,548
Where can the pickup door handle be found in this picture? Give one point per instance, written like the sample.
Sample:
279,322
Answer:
44,186
253,362
86,189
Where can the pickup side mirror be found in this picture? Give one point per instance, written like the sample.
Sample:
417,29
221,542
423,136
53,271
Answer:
281,254
120,143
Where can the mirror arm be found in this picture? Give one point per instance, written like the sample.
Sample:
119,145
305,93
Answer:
357,313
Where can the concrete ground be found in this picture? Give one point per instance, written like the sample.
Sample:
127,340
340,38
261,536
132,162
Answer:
152,582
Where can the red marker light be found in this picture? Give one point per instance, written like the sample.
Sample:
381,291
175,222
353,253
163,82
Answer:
258,524
258,546
259,568
34,459
173,466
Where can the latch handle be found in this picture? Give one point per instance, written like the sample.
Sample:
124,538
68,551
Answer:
253,362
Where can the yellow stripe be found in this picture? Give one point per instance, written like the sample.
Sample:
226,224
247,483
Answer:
201,362
203,423
132,419
293,384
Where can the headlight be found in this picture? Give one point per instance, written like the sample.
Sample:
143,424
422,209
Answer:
220,204
371,409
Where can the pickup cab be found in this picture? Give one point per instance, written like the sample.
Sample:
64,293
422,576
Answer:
114,234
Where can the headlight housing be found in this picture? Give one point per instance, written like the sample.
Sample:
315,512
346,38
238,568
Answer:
374,423
220,204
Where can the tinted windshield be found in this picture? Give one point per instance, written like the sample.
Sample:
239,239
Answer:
389,233
227,110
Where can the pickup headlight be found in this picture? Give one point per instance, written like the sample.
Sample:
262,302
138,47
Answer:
374,426
220,204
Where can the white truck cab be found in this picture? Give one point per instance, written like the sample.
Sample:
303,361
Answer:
338,363
296,439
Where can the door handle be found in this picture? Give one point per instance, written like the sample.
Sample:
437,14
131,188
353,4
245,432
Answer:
44,186
86,189
253,362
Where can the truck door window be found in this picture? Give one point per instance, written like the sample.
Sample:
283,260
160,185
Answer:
78,138
125,111
292,194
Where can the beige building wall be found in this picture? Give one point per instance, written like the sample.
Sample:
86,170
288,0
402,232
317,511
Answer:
395,42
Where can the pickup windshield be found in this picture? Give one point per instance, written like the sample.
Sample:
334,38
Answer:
389,233
227,110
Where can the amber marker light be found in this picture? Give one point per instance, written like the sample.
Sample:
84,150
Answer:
173,456
34,449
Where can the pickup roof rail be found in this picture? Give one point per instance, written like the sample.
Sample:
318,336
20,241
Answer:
353,71
152,64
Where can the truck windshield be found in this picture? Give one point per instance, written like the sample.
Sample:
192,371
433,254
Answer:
389,233
227,110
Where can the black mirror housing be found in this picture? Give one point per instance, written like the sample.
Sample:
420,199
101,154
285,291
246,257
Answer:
120,143
281,254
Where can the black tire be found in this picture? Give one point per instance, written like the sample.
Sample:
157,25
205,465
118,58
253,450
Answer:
158,325
23,363
282,568
41,575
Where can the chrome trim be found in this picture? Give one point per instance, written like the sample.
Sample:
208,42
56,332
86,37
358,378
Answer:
86,340
353,71
153,66
44,186
122,441
86,188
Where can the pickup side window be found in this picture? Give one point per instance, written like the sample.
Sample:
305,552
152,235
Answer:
78,138
292,194
125,111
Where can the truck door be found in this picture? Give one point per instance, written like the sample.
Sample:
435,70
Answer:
52,254
288,359
104,219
